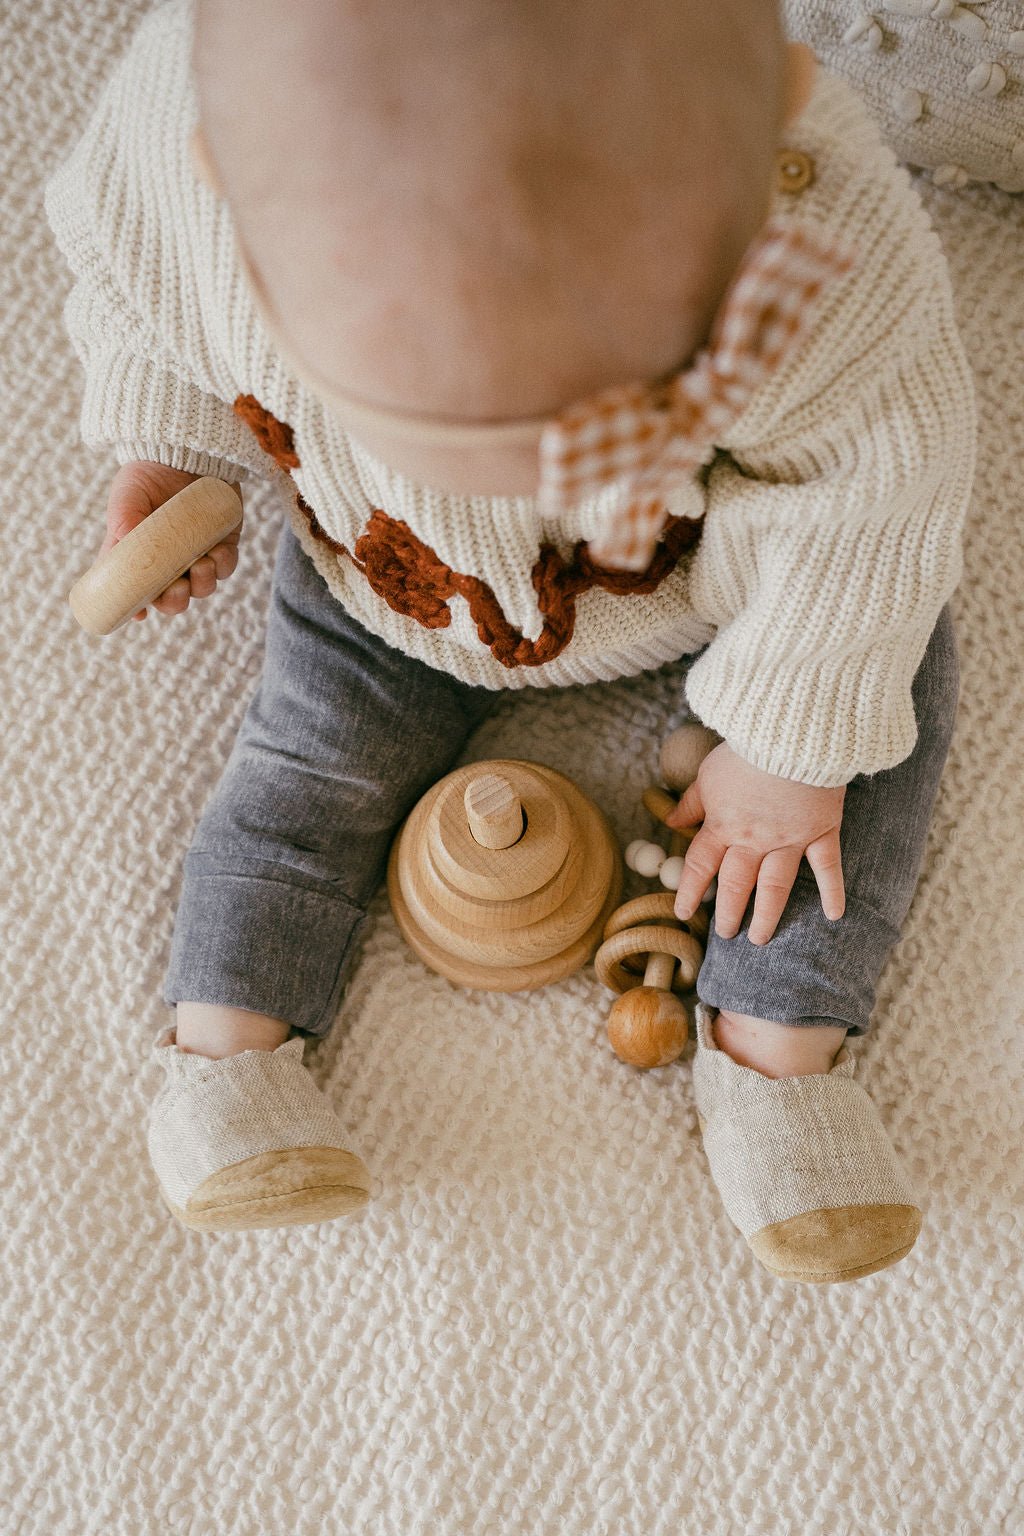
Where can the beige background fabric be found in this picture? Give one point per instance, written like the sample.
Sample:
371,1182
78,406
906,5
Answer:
945,80
545,1322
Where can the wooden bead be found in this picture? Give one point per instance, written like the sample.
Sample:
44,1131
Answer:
648,1027
682,753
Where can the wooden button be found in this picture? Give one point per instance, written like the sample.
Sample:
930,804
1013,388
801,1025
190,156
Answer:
794,170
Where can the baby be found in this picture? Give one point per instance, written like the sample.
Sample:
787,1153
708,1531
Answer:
415,268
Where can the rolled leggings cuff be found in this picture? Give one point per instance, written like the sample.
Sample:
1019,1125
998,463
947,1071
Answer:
799,977
246,938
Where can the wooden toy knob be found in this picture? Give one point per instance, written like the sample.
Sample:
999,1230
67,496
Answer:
156,552
494,810
682,753
648,1027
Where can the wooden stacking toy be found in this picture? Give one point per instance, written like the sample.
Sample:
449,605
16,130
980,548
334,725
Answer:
156,552
503,875
648,955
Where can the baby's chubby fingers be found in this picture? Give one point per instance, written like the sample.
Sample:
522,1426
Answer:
737,876
690,809
703,859
202,575
223,557
774,882
200,580
825,857
174,598
137,490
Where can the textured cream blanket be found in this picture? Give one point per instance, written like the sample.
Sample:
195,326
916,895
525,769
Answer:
545,1322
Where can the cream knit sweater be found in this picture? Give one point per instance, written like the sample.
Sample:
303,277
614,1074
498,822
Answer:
829,532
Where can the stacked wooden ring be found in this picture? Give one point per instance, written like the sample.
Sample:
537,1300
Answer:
648,955
503,876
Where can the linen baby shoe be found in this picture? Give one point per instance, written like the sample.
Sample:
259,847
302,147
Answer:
249,1141
804,1166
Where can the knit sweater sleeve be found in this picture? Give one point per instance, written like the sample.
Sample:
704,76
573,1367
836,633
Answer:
152,388
832,540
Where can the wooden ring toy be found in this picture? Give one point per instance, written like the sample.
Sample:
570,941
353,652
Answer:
648,1025
655,905
663,946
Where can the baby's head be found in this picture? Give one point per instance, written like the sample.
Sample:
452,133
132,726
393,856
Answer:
481,210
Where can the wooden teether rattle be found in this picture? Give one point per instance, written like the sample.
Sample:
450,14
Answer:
648,1025
155,553
502,876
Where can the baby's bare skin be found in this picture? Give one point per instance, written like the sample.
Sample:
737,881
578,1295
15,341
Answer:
474,217
777,1050
207,1029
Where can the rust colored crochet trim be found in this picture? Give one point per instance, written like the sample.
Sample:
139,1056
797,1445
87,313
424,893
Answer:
274,437
414,581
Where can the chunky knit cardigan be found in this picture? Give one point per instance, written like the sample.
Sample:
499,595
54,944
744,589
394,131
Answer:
808,562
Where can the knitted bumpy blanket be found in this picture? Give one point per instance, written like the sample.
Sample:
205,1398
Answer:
545,1322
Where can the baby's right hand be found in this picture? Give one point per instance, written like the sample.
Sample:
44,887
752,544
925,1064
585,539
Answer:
137,490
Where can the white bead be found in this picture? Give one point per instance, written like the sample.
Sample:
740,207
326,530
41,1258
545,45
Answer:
968,24
632,849
950,176
648,859
987,80
908,104
712,890
671,872
865,31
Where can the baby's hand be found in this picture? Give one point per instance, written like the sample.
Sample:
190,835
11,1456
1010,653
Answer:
757,828
137,490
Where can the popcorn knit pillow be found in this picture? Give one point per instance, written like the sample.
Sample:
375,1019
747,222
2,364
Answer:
945,80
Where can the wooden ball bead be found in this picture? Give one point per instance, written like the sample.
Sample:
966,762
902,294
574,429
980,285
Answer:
648,859
671,872
648,1027
683,752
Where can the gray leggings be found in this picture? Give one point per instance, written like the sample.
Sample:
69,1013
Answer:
341,737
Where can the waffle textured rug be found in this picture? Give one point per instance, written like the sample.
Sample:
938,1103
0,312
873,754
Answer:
544,1322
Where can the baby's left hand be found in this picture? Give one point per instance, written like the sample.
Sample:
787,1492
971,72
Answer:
757,828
